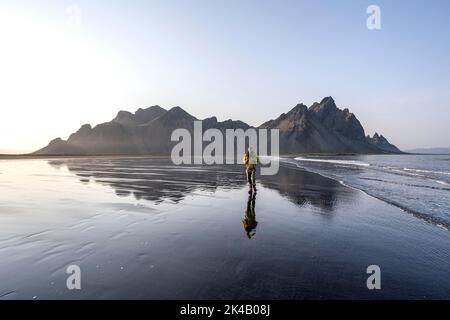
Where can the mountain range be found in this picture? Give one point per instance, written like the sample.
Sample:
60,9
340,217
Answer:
321,128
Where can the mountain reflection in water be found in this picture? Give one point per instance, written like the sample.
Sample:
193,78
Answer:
158,180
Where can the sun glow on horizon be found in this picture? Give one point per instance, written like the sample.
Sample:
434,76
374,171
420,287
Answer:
49,74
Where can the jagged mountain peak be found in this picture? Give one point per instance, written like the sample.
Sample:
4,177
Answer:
55,141
326,107
381,142
298,109
141,116
149,114
124,113
325,102
328,100
86,126
323,127
178,113
212,119
148,109
84,130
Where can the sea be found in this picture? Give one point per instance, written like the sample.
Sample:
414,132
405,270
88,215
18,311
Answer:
419,184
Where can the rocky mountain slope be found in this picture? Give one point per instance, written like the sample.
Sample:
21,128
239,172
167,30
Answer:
321,128
324,128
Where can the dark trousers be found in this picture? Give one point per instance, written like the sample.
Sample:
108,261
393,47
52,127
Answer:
251,176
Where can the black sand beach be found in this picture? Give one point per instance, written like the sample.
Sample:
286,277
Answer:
144,228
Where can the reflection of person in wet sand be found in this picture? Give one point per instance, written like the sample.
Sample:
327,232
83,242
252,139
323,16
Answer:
249,222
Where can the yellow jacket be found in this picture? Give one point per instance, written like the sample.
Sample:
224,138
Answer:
247,163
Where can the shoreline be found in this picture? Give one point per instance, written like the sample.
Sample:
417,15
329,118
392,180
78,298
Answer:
416,214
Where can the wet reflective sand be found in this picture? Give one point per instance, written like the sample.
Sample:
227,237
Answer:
143,228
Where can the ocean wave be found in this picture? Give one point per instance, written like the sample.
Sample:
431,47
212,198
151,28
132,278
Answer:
342,162
436,221
409,184
427,171
383,193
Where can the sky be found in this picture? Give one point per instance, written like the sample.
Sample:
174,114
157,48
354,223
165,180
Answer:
67,63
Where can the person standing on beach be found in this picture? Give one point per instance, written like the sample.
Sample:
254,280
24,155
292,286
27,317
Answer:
250,160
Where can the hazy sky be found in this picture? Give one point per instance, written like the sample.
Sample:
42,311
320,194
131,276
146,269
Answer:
65,63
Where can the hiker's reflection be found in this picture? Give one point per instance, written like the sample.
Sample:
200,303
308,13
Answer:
249,222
